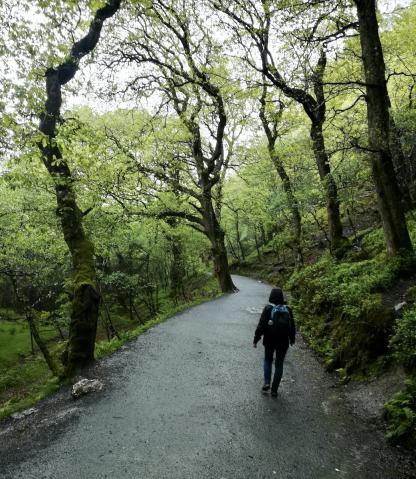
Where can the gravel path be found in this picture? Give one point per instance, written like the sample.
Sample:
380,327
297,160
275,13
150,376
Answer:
184,401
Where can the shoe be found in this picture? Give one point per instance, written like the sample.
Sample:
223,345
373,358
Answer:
274,394
266,387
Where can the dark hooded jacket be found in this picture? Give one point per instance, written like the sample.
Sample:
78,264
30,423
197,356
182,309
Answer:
276,297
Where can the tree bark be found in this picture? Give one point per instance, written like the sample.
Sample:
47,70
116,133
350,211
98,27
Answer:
328,182
379,132
86,298
270,125
177,270
41,345
238,236
216,235
293,204
317,117
401,166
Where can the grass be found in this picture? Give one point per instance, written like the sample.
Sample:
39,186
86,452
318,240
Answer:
15,341
29,379
24,385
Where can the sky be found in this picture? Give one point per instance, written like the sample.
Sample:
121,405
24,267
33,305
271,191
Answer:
387,7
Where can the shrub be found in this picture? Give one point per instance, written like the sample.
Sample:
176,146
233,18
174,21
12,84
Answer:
400,414
403,341
339,306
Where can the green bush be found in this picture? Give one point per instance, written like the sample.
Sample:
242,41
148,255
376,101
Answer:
329,284
339,307
400,414
403,341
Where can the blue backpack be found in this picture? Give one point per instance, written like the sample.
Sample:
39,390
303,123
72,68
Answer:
279,323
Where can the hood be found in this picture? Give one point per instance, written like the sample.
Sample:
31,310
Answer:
276,296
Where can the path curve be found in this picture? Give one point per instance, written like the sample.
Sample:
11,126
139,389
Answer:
184,401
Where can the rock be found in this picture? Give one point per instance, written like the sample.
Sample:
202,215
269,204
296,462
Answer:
86,386
22,414
398,307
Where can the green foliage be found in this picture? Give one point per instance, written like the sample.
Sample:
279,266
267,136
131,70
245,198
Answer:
29,380
120,161
15,341
403,340
339,306
352,286
400,414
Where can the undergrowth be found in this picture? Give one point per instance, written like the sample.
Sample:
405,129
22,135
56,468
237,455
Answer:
340,310
400,414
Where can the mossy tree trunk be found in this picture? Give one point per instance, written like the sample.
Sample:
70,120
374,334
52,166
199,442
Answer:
379,132
85,297
238,236
216,236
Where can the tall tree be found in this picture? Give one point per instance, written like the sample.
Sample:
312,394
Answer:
186,63
379,131
256,20
86,298
270,126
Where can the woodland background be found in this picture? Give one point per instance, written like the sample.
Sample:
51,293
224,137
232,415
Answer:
271,138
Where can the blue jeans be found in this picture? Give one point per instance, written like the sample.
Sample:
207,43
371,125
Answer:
268,360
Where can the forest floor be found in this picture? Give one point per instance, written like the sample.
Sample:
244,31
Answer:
183,400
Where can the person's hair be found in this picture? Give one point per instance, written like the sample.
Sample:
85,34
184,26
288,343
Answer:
276,296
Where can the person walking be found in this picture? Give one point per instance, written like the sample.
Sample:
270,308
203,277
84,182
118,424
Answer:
278,329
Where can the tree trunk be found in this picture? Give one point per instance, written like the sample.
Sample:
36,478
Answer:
233,251
331,191
41,345
216,236
177,270
85,296
401,166
256,239
394,222
32,346
85,305
317,117
85,302
293,204
238,235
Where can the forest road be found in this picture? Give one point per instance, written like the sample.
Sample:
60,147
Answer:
184,401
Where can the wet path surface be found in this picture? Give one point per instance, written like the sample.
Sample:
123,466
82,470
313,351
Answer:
184,401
